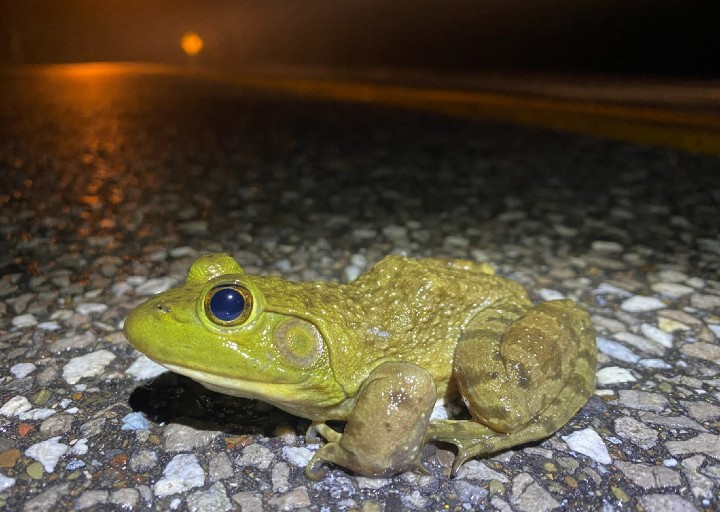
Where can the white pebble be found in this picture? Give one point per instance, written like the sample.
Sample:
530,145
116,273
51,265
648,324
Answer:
674,290
180,252
548,294
456,241
62,314
363,233
15,406
297,455
696,282
565,231
658,335
155,286
135,280
36,414
588,442
145,368
476,470
709,244
48,452
135,421
640,303
439,412
606,246
659,364
394,232
21,370
49,326
26,320
715,328
80,447
194,227
611,289
364,482
6,482
121,288
359,260
89,365
183,472
640,342
255,455
89,308
511,216
614,375
617,350
160,255
674,276
705,301
352,272
284,265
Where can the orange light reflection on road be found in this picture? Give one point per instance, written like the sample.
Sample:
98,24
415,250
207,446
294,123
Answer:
89,69
86,102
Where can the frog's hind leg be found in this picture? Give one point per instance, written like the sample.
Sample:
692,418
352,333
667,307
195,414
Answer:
473,439
522,375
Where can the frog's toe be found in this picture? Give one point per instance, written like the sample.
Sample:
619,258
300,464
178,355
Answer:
316,468
330,435
421,468
462,457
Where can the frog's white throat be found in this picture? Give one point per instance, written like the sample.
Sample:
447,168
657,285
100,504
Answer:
298,398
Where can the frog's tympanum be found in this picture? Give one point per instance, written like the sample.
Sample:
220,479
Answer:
378,353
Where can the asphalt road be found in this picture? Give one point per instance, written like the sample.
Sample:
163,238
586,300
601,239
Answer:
113,179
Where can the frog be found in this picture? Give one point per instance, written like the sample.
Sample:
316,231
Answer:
377,354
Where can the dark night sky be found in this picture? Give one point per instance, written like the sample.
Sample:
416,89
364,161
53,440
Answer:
645,37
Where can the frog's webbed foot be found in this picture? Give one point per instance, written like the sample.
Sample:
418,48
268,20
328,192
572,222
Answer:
470,438
316,468
473,439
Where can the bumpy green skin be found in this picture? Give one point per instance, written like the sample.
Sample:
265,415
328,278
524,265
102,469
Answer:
379,352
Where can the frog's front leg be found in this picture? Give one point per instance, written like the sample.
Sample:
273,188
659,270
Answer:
387,425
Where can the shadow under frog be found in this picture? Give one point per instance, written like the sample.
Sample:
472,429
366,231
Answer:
378,353
174,398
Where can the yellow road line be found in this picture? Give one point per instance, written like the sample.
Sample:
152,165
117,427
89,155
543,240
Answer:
695,132
690,131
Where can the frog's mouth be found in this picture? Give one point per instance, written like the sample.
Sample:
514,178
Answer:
232,385
300,397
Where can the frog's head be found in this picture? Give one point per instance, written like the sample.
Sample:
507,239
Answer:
218,330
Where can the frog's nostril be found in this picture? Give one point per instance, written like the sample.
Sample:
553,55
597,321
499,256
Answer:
163,308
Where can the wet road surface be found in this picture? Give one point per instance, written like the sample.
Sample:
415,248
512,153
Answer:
113,179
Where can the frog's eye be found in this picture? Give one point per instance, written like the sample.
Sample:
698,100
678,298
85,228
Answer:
228,304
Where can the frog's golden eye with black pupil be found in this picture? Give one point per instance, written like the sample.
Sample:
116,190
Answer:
228,304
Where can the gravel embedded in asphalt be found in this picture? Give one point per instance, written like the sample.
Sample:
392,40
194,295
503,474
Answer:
112,184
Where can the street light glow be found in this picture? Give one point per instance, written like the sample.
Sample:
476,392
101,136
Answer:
191,43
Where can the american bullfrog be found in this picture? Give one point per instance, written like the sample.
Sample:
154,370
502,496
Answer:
378,353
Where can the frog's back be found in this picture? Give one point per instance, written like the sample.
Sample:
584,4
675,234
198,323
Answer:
465,281
401,309
454,264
